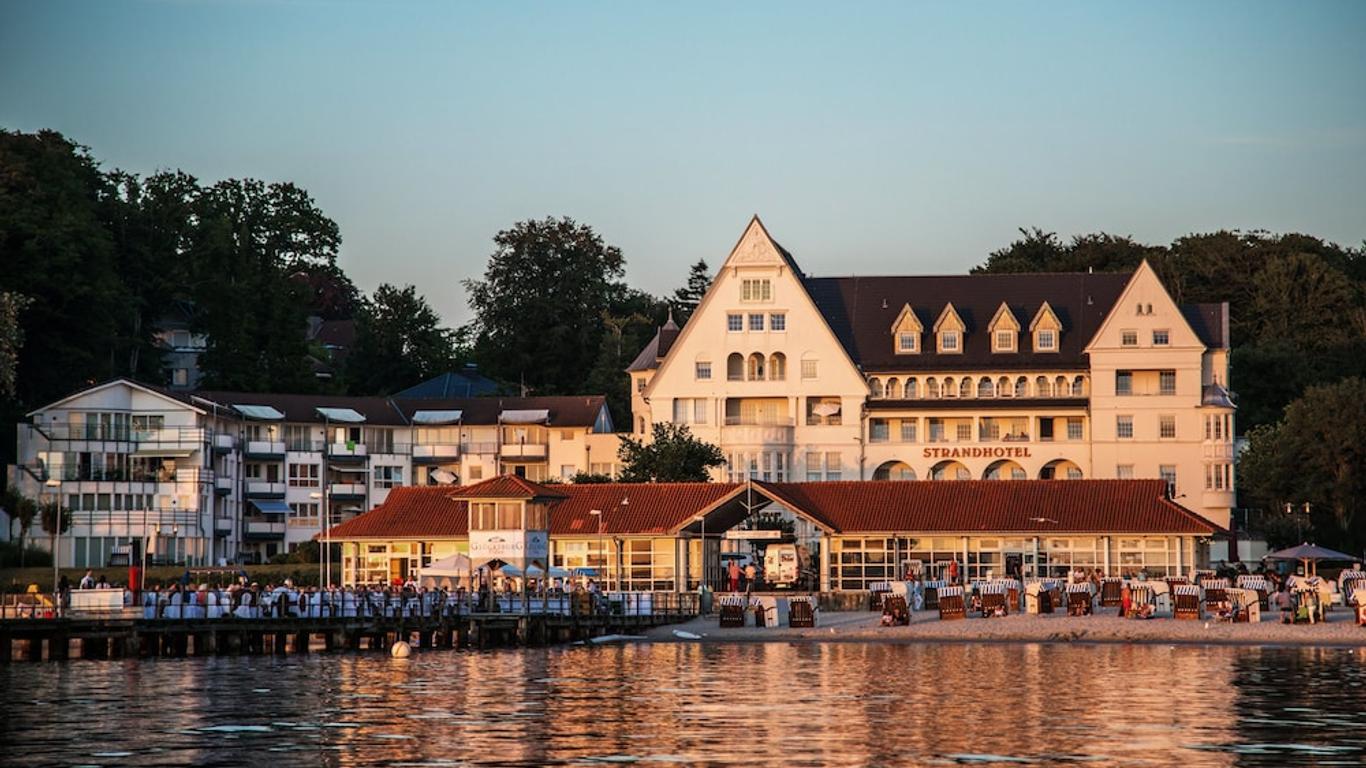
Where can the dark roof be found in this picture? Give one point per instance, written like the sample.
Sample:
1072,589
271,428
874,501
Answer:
996,506
861,311
1210,323
565,411
335,333
466,383
656,350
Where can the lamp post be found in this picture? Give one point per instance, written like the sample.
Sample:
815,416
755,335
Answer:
601,552
1299,520
322,526
50,485
625,502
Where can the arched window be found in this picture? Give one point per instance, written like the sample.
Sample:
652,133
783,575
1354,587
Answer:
965,387
1041,387
893,390
1003,387
985,388
1022,387
1079,386
1060,386
912,389
735,367
950,387
932,388
756,367
777,366
875,387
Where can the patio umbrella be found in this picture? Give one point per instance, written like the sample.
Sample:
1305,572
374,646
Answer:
1307,554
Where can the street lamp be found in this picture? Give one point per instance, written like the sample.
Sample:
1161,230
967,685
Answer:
625,502
322,526
51,484
602,554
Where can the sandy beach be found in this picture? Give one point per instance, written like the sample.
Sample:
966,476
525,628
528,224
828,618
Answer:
1340,630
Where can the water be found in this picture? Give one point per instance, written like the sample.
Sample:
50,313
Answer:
688,704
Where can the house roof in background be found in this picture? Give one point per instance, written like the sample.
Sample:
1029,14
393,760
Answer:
466,383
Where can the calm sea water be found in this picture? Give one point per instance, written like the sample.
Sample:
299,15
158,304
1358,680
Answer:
775,704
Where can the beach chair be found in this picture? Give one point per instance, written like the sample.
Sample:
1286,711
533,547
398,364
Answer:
1216,592
1079,600
1141,595
1186,602
876,592
931,589
1110,589
1349,583
895,606
1260,585
732,616
951,604
1172,581
801,614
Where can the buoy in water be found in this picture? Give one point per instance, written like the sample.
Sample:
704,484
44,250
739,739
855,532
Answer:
401,650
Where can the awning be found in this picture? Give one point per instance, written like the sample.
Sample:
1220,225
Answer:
270,506
534,416
259,412
346,415
437,417
151,450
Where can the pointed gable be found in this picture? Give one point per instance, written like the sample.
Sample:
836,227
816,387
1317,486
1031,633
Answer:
756,247
949,331
1045,330
1142,309
1004,330
906,332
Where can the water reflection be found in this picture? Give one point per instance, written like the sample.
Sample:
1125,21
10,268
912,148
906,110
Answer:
776,704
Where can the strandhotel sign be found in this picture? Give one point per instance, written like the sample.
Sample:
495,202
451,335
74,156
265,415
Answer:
510,546
977,452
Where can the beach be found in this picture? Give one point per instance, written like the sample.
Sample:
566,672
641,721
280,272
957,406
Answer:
1340,630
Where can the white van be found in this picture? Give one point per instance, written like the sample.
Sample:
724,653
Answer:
784,565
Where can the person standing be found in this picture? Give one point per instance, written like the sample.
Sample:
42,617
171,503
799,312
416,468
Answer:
87,581
953,571
734,572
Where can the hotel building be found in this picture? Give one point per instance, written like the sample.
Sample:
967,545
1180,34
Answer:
971,377
207,477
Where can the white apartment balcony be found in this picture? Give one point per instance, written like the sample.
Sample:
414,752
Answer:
739,430
264,527
222,486
537,451
266,449
265,489
1217,451
1216,498
223,443
346,491
222,525
347,452
435,453
486,447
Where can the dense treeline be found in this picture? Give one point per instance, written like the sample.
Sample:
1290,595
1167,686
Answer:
1298,358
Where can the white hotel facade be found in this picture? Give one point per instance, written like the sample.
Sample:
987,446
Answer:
209,477
1001,376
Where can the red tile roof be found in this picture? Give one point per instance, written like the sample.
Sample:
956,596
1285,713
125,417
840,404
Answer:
1004,506
509,487
410,512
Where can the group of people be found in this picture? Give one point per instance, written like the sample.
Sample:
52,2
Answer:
750,574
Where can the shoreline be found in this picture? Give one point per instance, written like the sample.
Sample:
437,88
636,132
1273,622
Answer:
1340,631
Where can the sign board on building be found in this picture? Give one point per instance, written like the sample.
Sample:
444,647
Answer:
754,535
513,546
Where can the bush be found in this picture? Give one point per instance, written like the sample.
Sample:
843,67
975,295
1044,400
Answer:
33,557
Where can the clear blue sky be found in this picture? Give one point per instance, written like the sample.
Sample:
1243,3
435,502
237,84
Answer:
872,138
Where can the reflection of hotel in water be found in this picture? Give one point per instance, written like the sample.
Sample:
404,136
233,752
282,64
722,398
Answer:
981,377
651,537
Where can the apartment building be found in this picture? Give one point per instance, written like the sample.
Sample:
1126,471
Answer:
210,477
982,377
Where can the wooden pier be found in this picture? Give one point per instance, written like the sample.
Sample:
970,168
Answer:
126,637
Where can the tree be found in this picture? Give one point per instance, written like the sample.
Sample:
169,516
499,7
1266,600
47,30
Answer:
590,478
538,307
11,339
399,341
686,299
56,520
672,455
1316,454
21,510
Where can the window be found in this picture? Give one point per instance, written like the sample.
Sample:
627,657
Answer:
1005,341
1128,338
303,475
875,388
893,390
755,370
948,341
985,388
813,467
878,430
1074,428
756,322
1047,341
823,411
641,383
1166,382
699,410
379,440
1125,471
388,477
833,466
965,387
1073,473
702,370
906,342
808,369
912,390
1124,382
303,515
180,377
964,432
1166,427
756,290
777,367
1124,427
475,471
1161,338
1022,387
932,388
735,323
690,410
777,322
735,367
1168,473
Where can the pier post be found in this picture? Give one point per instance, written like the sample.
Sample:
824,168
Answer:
59,646
35,648
6,647
301,642
279,643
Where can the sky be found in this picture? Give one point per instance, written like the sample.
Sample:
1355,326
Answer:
872,138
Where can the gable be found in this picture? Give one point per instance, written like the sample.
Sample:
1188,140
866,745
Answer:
119,395
1142,307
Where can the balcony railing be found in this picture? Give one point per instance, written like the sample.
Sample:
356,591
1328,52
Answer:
525,450
346,490
436,452
65,431
265,489
483,447
758,421
264,527
224,443
1217,450
265,448
347,451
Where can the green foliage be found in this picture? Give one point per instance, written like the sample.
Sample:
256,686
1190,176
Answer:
1317,453
399,341
590,478
686,299
307,552
11,339
672,455
53,513
15,554
770,521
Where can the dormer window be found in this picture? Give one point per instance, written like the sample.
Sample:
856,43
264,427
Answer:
948,329
948,341
1005,329
1046,340
1004,341
1046,329
906,343
906,332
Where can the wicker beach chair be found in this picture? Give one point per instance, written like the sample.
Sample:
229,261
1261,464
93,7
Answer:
1186,602
1259,584
951,604
1078,599
895,606
1110,589
1216,592
931,590
1349,583
801,614
732,616
876,592
994,598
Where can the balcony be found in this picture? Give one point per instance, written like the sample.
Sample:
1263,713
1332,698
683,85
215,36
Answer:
749,431
346,491
224,443
435,453
264,528
347,452
264,489
222,486
222,526
537,451
479,448
270,450
1217,451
